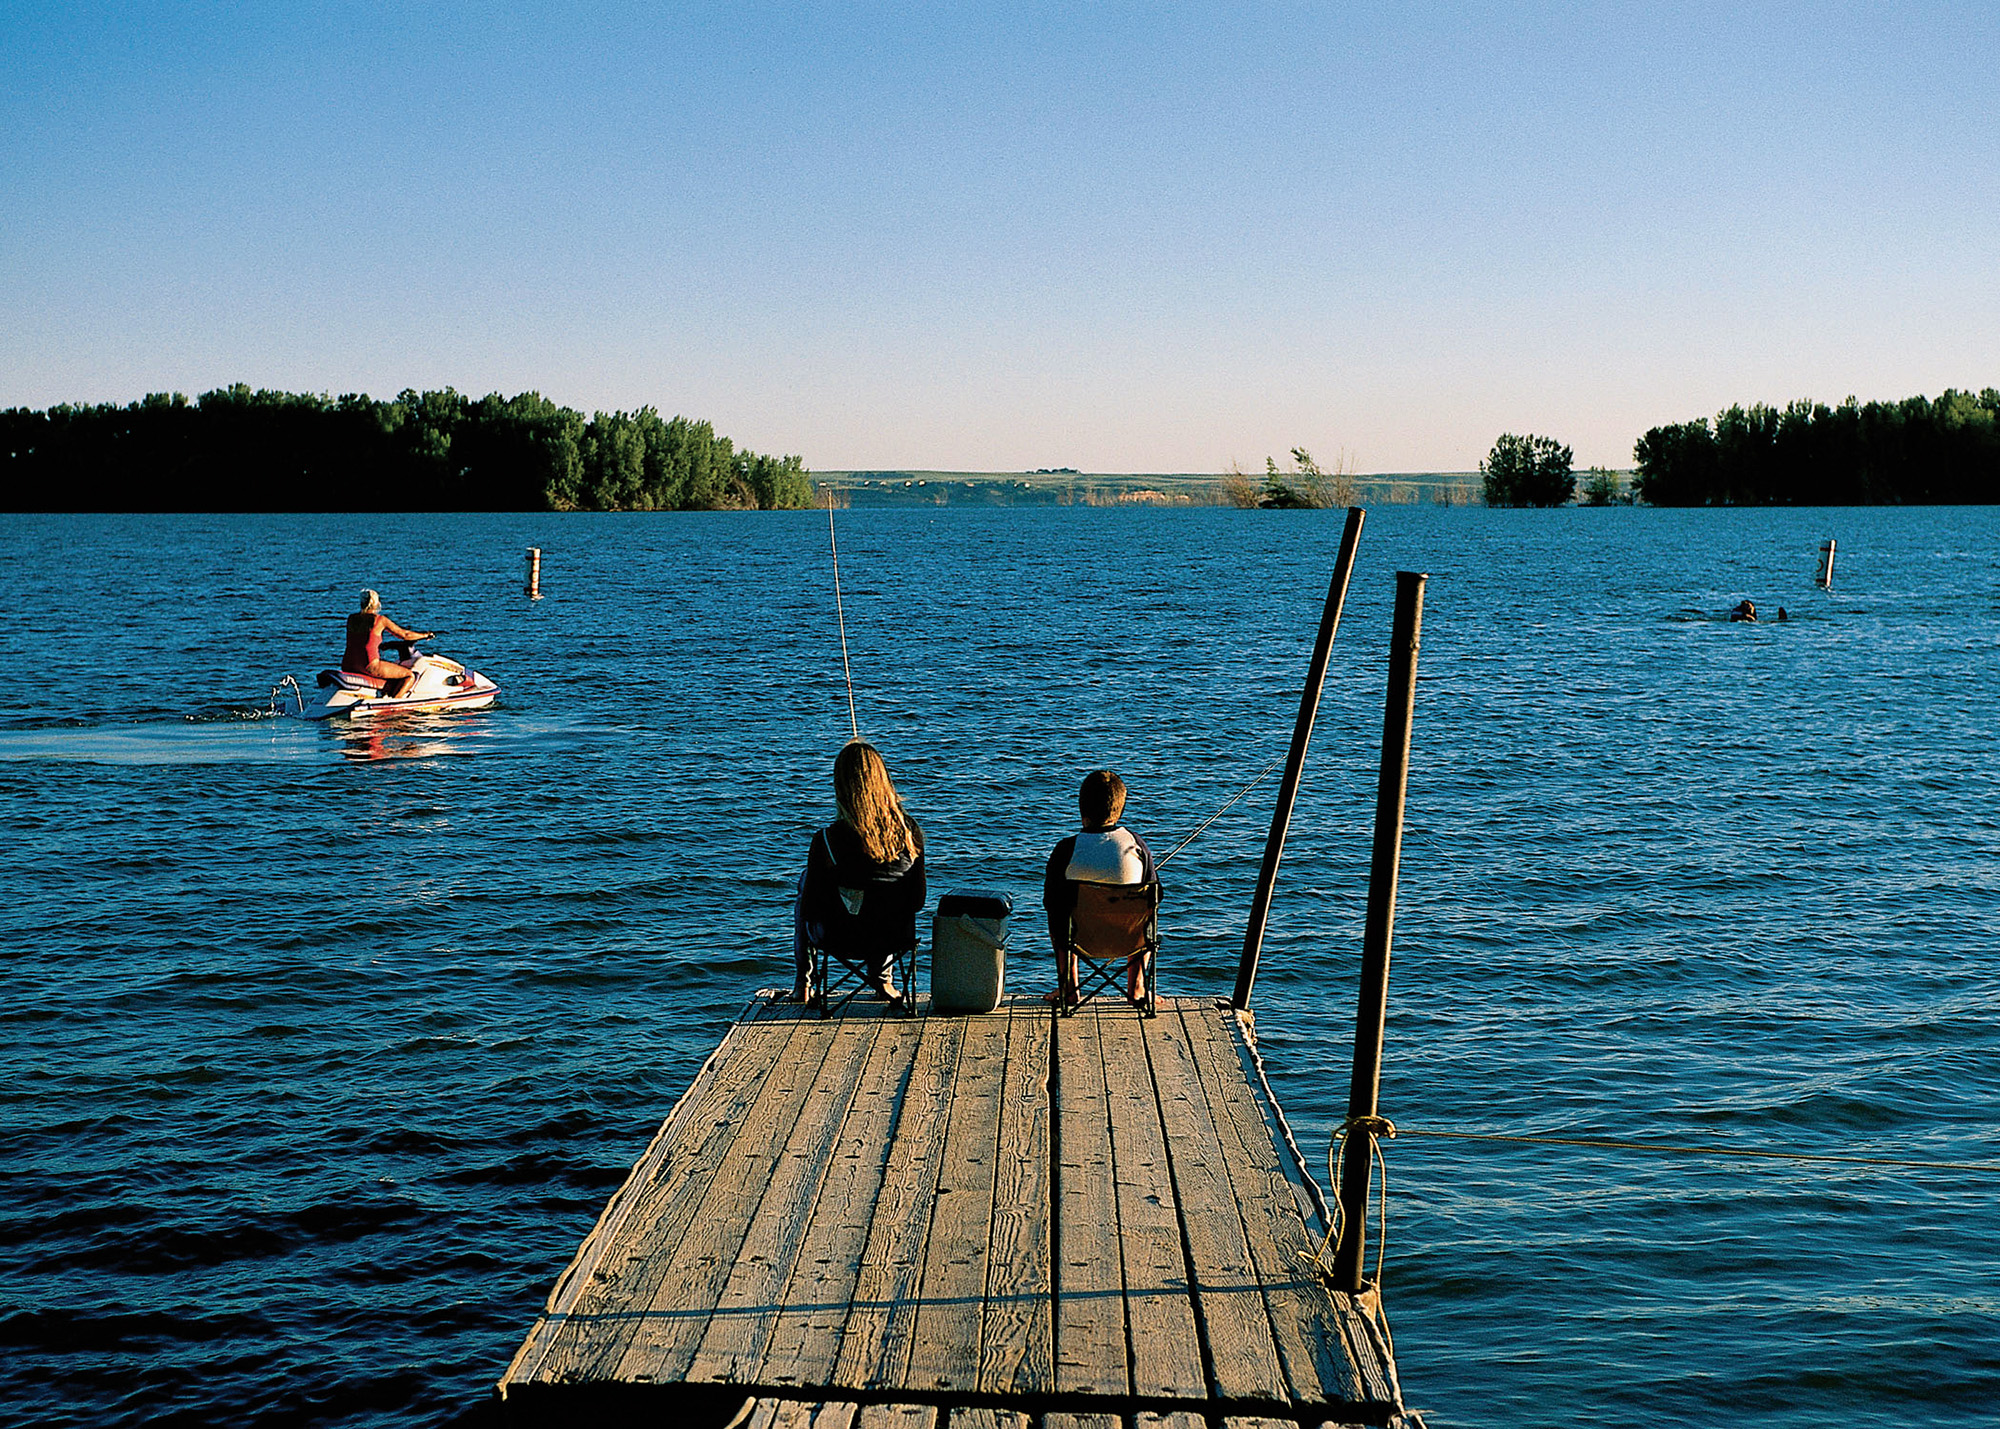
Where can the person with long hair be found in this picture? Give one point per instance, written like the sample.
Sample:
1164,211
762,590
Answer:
864,879
365,629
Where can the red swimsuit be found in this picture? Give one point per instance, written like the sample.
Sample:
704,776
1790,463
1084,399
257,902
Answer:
364,642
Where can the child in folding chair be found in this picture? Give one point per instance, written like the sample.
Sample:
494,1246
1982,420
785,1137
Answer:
864,872
1104,851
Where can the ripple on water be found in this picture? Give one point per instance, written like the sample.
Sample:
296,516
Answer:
327,1046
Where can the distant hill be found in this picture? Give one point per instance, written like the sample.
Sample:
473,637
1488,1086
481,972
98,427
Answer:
1074,488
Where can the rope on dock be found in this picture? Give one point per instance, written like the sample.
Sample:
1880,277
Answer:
1608,1144
1321,1260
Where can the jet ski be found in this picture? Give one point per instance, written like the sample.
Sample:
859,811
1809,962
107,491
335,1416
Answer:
440,684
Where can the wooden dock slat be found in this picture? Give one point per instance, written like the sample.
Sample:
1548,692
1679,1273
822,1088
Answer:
989,1419
805,1335
1304,1314
796,1414
1091,1351
1159,1312
1229,1299
588,1336
944,1345
1076,1223
1017,1332
1365,1354
731,1348
702,1251
875,1344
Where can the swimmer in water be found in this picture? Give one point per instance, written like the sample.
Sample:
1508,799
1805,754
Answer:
1746,611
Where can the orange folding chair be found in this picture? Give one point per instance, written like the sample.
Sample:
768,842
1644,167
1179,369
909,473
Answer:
1110,925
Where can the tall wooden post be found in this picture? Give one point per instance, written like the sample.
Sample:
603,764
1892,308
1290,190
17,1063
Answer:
1295,762
1365,1088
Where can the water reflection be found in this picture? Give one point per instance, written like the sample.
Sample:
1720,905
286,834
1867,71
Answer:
415,734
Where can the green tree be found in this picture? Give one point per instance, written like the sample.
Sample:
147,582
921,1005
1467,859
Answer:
1600,487
1527,471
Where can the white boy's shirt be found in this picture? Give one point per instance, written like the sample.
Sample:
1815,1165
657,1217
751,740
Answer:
1106,856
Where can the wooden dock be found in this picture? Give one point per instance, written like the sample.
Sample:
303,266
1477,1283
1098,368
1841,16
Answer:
1008,1221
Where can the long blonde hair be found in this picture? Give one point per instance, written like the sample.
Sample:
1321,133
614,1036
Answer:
869,806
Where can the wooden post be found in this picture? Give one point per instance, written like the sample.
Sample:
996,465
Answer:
1824,580
1365,1088
534,586
1281,816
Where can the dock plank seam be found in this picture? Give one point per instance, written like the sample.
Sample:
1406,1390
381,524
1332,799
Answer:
790,1198
682,1275
805,1338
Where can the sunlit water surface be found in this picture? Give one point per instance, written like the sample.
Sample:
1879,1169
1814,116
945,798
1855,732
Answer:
321,1048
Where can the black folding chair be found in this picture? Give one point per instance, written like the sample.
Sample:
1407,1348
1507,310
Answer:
1110,924
858,953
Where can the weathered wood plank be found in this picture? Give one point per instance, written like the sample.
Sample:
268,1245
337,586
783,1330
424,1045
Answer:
1179,1419
701,1247
1082,1421
874,1346
731,1348
896,1416
604,1303
1229,1299
800,1414
577,1280
805,1337
1091,1350
944,1346
1367,1355
1302,1315
1159,1312
989,1419
1016,1336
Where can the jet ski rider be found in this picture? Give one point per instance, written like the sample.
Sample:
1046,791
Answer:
364,646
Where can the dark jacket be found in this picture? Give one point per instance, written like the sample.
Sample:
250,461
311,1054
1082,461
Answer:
855,906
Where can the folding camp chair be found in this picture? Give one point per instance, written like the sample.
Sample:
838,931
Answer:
1109,925
853,955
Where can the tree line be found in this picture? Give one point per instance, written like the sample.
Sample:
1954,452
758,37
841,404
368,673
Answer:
1915,452
235,449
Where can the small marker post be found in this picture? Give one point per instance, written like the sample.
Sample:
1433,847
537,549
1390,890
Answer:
533,589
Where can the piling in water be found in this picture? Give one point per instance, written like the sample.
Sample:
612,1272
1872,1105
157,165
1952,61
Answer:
1365,1088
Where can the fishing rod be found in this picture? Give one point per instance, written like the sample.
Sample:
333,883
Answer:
1221,811
840,613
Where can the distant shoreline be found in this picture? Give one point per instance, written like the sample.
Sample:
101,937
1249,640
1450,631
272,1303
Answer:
881,488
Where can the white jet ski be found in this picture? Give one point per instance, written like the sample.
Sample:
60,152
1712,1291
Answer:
441,684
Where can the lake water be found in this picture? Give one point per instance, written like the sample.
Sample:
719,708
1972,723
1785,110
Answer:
320,1049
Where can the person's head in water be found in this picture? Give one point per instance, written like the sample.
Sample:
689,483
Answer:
370,602
1101,799
1746,611
868,803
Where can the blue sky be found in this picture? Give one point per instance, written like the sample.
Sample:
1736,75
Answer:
1116,237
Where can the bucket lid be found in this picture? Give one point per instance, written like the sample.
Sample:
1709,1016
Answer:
975,903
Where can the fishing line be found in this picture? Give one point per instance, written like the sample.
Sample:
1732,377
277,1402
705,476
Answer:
840,613
1223,810
1611,1145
